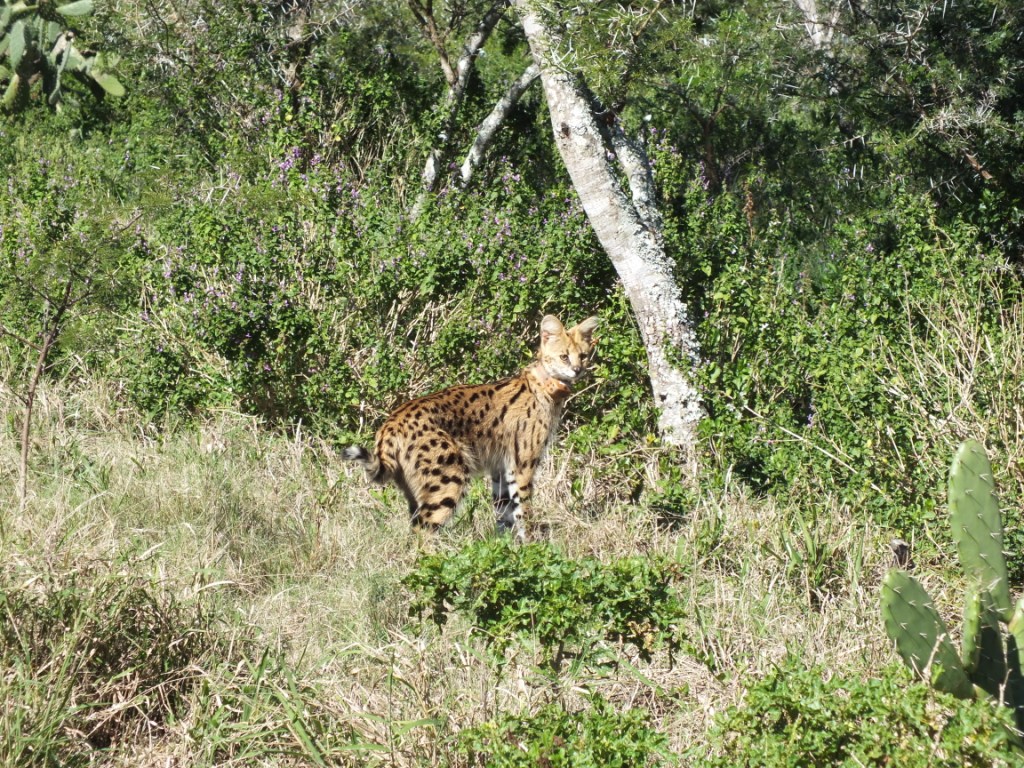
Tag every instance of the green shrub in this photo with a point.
(804, 343)
(795, 717)
(570, 608)
(56, 238)
(305, 296)
(597, 737)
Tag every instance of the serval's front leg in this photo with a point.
(508, 504)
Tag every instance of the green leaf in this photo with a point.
(17, 49)
(402, 728)
(12, 91)
(77, 8)
(108, 83)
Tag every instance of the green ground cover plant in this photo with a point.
(572, 609)
(592, 738)
(804, 716)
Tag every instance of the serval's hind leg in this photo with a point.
(441, 482)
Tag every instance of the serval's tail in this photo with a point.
(375, 469)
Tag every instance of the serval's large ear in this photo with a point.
(584, 332)
(550, 328)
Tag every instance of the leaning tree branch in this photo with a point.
(626, 232)
(493, 122)
(637, 166)
(456, 95)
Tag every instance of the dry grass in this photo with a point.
(962, 376)
(288, 546)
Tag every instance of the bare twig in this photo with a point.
(4, 330)
(50, 331)
(458, 81)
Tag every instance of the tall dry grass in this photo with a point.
(290, 553)
(962, 376)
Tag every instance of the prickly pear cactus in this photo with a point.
(973, 608)
(983, 648)
(1014, 655)
(977, 527)
(35, 44)
(921, 636)
(991, 660)
(1016, 625)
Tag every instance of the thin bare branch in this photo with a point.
(4, 330)
(424, 15)
(50, 332)
(458, 82)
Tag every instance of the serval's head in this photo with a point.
(563, 353)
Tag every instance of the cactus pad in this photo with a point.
(983, 650)
(921, 636)
(971, 650)
(1014, 649)
(977, 528)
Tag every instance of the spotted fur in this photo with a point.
(431, 446)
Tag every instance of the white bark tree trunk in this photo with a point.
(820, 27)
(629, 228)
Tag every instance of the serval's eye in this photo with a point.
(565, 358)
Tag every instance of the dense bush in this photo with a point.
(827, 233)
(303, 297)
(816, 353)
(570, 608)
(267, 258)
(60, 244)
(796, 716)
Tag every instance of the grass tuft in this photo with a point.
(98, 655)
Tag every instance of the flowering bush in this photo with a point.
(306, 296)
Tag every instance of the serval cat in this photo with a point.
(430, 447)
